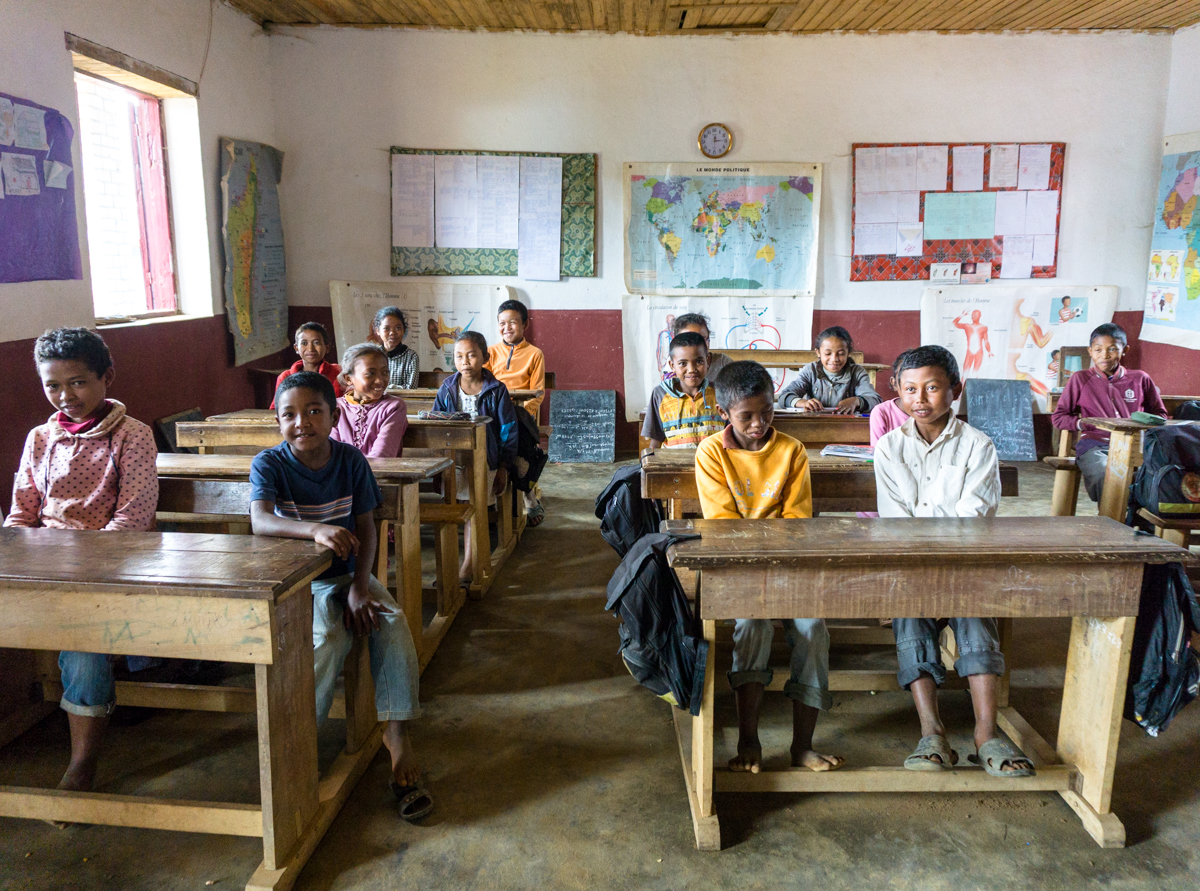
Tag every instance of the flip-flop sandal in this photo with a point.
(412, 802)
(535, 516)
(928, 747)
(995, 753)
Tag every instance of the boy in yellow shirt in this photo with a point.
(752, 471)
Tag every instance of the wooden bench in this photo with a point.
(1087, 568)
(1177, 532)
(1066, 476)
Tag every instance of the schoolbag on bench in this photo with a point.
(624, 515)
(658, 643)
(1168, 482)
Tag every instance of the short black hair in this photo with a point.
(476, 338)
(742, 380)
(687, 339)
(1053, 353)
(687, 320)
(73, 345)
(929, 356)
(516, 306)
(310, 380)
(1110, 329)
(835, 331)
(311, 326)
(394, 311)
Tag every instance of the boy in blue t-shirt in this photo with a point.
(312, 487)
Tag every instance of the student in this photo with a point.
(389, 327)
(683, 409)
(90, 466)
(937, 466)
(312, 343)
(752, 471)
(312, 487)
(519, 365)
(1106, 390)
(885, 417)
(368, 418)
(698, 323)
(834, 380)
(475, 390)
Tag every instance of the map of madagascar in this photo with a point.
(242, 224)
(1179, 212)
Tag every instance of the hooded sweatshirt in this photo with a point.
(375, 429)
(102, 478)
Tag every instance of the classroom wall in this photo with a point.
(1183, 92)
(162, 367)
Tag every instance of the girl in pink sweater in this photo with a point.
(368, 418)
(90, 466)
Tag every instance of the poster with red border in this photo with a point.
(891, 267)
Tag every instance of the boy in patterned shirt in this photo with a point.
(683, 409)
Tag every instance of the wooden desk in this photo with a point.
(201, 488)
(1086, 568)
(224, 597)
(421, 398)
(814, 430)
(794, 359)
(1124, 458)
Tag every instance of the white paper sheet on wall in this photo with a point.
(540, 229)
(876, 207)
(874, 238)
(870, 170)
(412, 201)
(457, 201)
(1034, 172)
(499, 200)
(968, 168)
(1010, 213)
(1017, 260)
(1002, 173)
(931, 167)
(1041, 214)
(901, 168)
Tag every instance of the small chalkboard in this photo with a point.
(1004, 411)
(584, 426)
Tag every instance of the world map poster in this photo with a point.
(721, 229)
(1172, 308)
(252, 235)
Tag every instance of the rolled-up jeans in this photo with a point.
(809, 640)
(394, 665)
(88, 686)
(918, 652)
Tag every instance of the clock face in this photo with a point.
(715, 140)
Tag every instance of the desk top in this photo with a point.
(264, 417)
(1125, 425)
(428, 394)
(173, 563)
(677, 460)
(846, 541)
(237, 467)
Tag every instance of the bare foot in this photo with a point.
(78, 778)
(405, 770)
(749, 756)
(816, 761)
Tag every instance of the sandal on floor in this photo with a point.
(926, 749)
(995, 753)
(535, 516)
(412, 802)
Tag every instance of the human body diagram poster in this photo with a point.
(436, 315)
(1013, 333)
(721, 229)
(1172, 312)
(738, 323)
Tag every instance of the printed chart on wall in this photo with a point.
(1013, 333)
(954, 212)
(39, 236)
(736, 323)
(436, 315)
(706, 229)
(255, 272)
(1172, 313)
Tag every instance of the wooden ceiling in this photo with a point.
(675, 16)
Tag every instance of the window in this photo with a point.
(126, 201)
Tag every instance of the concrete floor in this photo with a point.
(552, 769)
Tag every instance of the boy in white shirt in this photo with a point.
(937, 466)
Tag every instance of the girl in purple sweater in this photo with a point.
(368, 418)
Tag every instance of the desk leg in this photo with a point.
(408, 559)
(1124, 456)
(1090, 725)
(1066, 493)
(479, 523)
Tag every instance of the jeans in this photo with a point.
(809, 640)
(394, 666)
(88, 686)
(918, 652)
(1092, 464)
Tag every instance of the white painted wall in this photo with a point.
(1183, 96)
(171, 34)
(342, 97)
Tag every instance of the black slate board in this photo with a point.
(584, 426)
(1004, 411)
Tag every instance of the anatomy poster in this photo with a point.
(735, 323)
(436, 314)
(1013, 333)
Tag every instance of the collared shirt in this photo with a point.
(680, 421)
(957, 475)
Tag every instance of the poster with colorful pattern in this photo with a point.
(1172, 308)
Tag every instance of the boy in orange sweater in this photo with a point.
(752, 471)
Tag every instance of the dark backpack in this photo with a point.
(529, 447)
(1168, 482)
(658, 642)
(624, 515)
(1188, 411)
(1164, 670)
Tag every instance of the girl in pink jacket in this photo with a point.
(369, 419)
(90, 466)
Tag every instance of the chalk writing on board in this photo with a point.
(1003, 410)
(583, 426)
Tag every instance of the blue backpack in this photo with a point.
(1168, 482)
